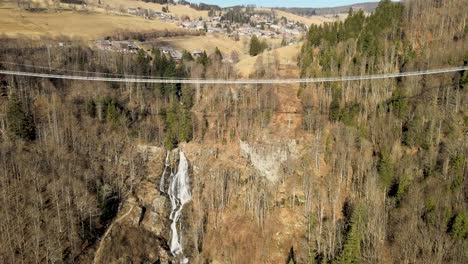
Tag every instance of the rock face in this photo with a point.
(268, 159)
(145, 229)
(140, 233)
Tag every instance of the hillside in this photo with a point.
(285, 56)
(177, 10)
(365, 7)
(207, 43)
(306, 20)
(81, 24)
(123, 5)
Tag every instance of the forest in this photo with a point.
(414, 130)
(378, 174)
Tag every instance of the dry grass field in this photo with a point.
(86, 25)
(287, 57)
(317, 20)
(123, 5)
(208, 43)
(177, 10)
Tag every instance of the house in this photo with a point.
(197, 53)
(146, 13)
(158, 14)
(124, 46)
(104, 44)
(275, 27)
(176, 55)
(132, 46)
(166, 49)
(132, 11)
(186, 24)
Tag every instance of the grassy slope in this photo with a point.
(208, 43)
(15, 22)
(178, 10)
(318, 20)
(287, 56)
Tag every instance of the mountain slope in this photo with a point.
(353, 172)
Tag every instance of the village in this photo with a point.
(264, 25)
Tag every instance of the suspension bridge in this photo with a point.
(137, 79)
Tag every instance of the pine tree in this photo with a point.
(351, 253)
(257, 46)
(254, 46)
(112, 115)
(218, 55)
(20, 121)
(335, 111)
(142, 62)
(184, 125)
(203, 59)
(385, 168)
(459, 228)
(186, 56)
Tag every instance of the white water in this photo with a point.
(179, 194)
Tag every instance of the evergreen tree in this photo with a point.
(203, 59)
(218, 55)
(254, 46)
(159, 63)
(186, 56)
(335, 110)
(112, 115)
(351, 253)
(170, 72)
(385, 168)
(20, 121)
(399, 103)
(91, 108)
(178, 125)
(459, 227)
(142, 62)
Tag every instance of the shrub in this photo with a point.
(458, 227)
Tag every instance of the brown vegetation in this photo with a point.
(367, 172)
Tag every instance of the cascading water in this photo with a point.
(179, 195)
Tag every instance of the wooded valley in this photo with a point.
(361, 171)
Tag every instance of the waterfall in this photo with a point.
(179, 195)
(166, 166)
